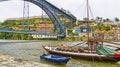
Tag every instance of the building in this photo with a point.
(82, 30)
(43, 36)
(45, 27)
(21, 18)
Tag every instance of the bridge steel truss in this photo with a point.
(52, 11)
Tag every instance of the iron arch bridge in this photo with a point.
(52, 11)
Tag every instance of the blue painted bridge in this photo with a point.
(53, 12)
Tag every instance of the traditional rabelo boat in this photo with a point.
(102, 53)
(92, 49)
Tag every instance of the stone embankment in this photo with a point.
(8, 61)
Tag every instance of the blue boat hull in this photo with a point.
(55, 58)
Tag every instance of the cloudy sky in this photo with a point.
(102, 8)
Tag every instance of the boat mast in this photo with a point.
(87, 4)
(88, 38)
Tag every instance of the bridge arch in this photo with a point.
(52, 12)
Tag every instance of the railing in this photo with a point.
(7, 30)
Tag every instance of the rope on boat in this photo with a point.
(93, 60)
(101, 61)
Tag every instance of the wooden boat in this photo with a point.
(55, 58)
(85, 55)
(94, 50)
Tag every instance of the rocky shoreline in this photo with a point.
(8, 61)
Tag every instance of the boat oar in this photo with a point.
(112, 42)
(78, 44)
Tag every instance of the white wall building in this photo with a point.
(43, 36)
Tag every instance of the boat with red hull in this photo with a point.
(90, 56)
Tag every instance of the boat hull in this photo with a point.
(55, 59)
(81, 55)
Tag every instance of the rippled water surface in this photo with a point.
(31, 50)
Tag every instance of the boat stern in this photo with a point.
(117, 55)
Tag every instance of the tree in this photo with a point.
(99, 19)
(116, 19)
(107, 19)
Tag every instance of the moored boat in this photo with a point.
(55, 58)
(112, 56)
(94, 48)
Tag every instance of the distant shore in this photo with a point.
(8, 61)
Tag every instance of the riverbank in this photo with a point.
(8, 61)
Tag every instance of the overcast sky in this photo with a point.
(101, 8)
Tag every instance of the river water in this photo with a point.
(31, 50)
